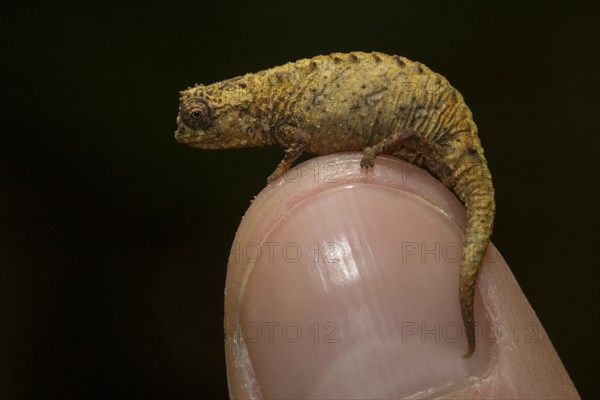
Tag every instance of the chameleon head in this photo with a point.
(216, 117)
(196, 120)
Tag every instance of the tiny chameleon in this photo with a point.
(373, 102)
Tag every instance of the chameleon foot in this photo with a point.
(368, 159)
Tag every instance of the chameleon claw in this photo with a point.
(367, 163)
(368, 159)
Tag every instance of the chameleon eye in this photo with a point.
(197, 114)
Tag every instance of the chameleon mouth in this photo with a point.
(181, 136)
(195, 140)
(184, 135)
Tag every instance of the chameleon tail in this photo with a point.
(474, 187)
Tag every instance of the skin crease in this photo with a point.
(373, 102)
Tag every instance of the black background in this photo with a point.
(114, 238)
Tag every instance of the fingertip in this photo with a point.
(392, 320)
(330, 207)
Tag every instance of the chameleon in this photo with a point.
(369, 102)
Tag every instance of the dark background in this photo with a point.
(114, 238)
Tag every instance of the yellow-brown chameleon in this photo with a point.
(373, 102)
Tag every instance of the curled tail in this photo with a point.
(473, 185)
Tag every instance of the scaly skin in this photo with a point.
(373, 102)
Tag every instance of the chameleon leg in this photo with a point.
(297, 140)
(410, 139)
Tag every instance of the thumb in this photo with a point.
(343, 283)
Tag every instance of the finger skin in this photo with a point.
(516, 358)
